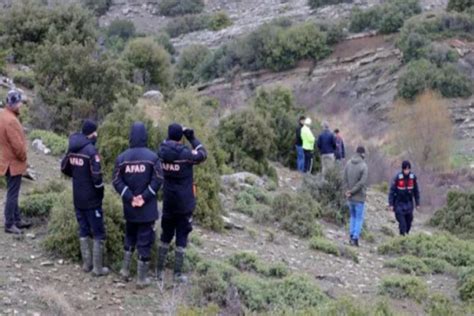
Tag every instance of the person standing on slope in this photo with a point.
(82, 163)
(308, 145)
(179, 194)
(340, 152)
(404, 197)
(327, 148)
(13, 148)
(137, 178)
(299, 145)
(355, 180)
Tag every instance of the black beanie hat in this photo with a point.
(360, 150)
(406, 165)
(88, 127)
(175, 132)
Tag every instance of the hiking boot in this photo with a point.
(178, 266)
(125, 271)
(160, 264)
(13, 230)
(97, 259)
(142, 274)
(23, 224)
(86, 254)
(356, 242)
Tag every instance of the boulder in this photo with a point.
(153, 95)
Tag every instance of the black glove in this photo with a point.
(101, 192)
(189, 134)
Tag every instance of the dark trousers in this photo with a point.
(140, 236)
(91, 223)
(12, 211)
(404, 222)
(308, 161)
(176, 225)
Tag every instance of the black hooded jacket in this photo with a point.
(138, 172)
(82, 163)
(177, 161)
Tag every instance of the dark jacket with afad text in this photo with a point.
(138, 172)
(82, 163)
(177, 161)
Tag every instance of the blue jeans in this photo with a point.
(357, 218)
(300, 158)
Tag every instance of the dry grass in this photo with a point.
(56, 301)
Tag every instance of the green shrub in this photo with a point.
(63, 239)
(295, 292)
(466, 285)
(75, 82)
(124, 29)
(451, 83)
(58, 144)
(38, 205)
(440, 305)
(24, 79)
(253, 202)
(211, 309)
(314, 4)
(145, 57)
(414, 47)
(61, 24)
(418, 77)
(298, 214)
(350, 307)
(328, 191)
(187, 69)
(402, 287)
(249, 262)
(457, 216)
(441, 54)
(247, 139)
(218, 21)
(164, 40)
(334, 31)
(99, 7)
(329, 247)
(186, 24)
(180, 7)
(386, 18)
(408, 264)
(460, 5)
(458, 253)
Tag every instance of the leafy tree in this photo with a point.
(187, 68)
(28, 24)
(180, 7)
(75, 82)
(148, 63)
(121, 28)
(460, 5)
(451, 83)
(418, 77)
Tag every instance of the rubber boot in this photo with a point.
(178, 266)
(127, 258)
(160, 265)
(86, 254)
(142, 272)
(98, 259)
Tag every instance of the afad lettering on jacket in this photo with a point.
(75, 161)
(170, 166)
(135, 168)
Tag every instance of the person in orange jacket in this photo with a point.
(13, 148)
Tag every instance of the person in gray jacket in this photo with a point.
(355, 180)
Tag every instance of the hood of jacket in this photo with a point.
(77, 141)
(138, 135)
(357, 159)
(170, 150)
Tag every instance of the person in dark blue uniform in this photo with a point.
(82, 163)
(179, 200)
(137, 178)
(404, 197)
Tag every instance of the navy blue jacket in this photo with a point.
(82, 163)
(177, 161)
(138, 172)
(340, 149)
(327, 142)
(403, 190)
